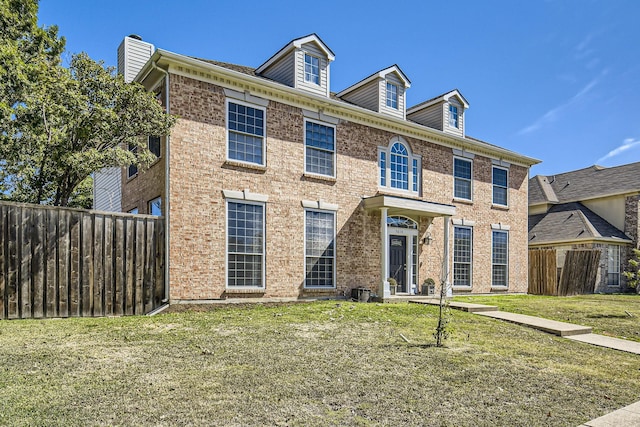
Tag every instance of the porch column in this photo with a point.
(384, 254)
(445, 258)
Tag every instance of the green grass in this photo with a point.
(311, 364)
(613, 315)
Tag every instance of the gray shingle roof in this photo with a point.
(568, 222)
(583, 184)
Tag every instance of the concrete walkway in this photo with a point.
(629, 416)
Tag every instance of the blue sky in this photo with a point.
(557, 80)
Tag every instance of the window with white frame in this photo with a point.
(462, 255)
(245, 244)
(319, 242)
(246, 132)
(155, 206)
(613, 266)
(311, 69)
(399, 168)
(499, 258)
(392, 95)
(500, 186)
(453, 116)
(462, 178)
(319, 146)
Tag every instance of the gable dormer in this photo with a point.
(302, 64)
(444, 112)
(383, 92)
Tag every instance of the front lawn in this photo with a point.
(308, 364)
(613, 315)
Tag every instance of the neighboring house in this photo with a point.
(275, 187)
(591, 208)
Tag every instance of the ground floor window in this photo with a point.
(245, 244)
(613, 267)
(499, 258)
(320, 232)
(462, 255)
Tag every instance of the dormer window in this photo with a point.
(392, 96)
(311, 69)
(453, 116)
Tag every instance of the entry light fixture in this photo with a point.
(427, 239)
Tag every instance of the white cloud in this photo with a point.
(627, 144)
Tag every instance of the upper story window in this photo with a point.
(155, 206)
(392, 96)
(246, 133)
(133, 168)
(500, 185)
(319, 146)
(154, 145)
(311, 69)
(453, 116)
(462, 178)
(399, 168)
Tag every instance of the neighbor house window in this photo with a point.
(500, 186)
(319, 143)
(245, 244)
(392, 96)
(245, 124)
(155, 206)
(453, 116)
(319, 242)
(399, 169)
(462, 255)
(613, 266)
(311, 69)
(462, 178)
(154, 145)
(499, 258)
(133, 211)
(133, 168)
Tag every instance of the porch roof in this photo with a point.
(409, 207)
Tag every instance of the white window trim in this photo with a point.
(455, 177)
(468, 227)
(507, 264)
(335, 146)
(304, 69)
(618, 272)
(387, 150)
(335, 233)
(264, 137)
(454, 123)
(493, 202)
(226, 245)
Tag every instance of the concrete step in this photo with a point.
(464, 306)
(609, 342)
(552, 326)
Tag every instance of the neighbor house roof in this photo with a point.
(569, 222)
(584, 184)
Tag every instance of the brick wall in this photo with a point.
(199, 173)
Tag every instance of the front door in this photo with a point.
(398, 261)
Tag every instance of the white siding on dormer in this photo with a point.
(107, 189)
(300, 83)
(382, 90)
(283, 71)
(431, 116)
(366, 96)
(459, 131)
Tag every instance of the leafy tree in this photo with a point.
(633, 274)
(63, 124)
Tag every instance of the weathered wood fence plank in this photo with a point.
(58, 262)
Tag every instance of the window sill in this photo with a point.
(317, 177)
(318, 290)
(499, 288)
(245, 291)
(462, 288)
(252, 166)
(464, 201)
(499, 207)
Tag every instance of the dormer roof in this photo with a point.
(440, 98)
(382, 74)
(297, 44)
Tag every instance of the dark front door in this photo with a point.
(398, 261)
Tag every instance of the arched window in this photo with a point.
(401, 222)
(399, 168)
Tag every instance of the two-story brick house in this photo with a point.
(275, 187)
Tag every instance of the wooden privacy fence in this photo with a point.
(60, 262)
(543, 276)
(579, 272)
